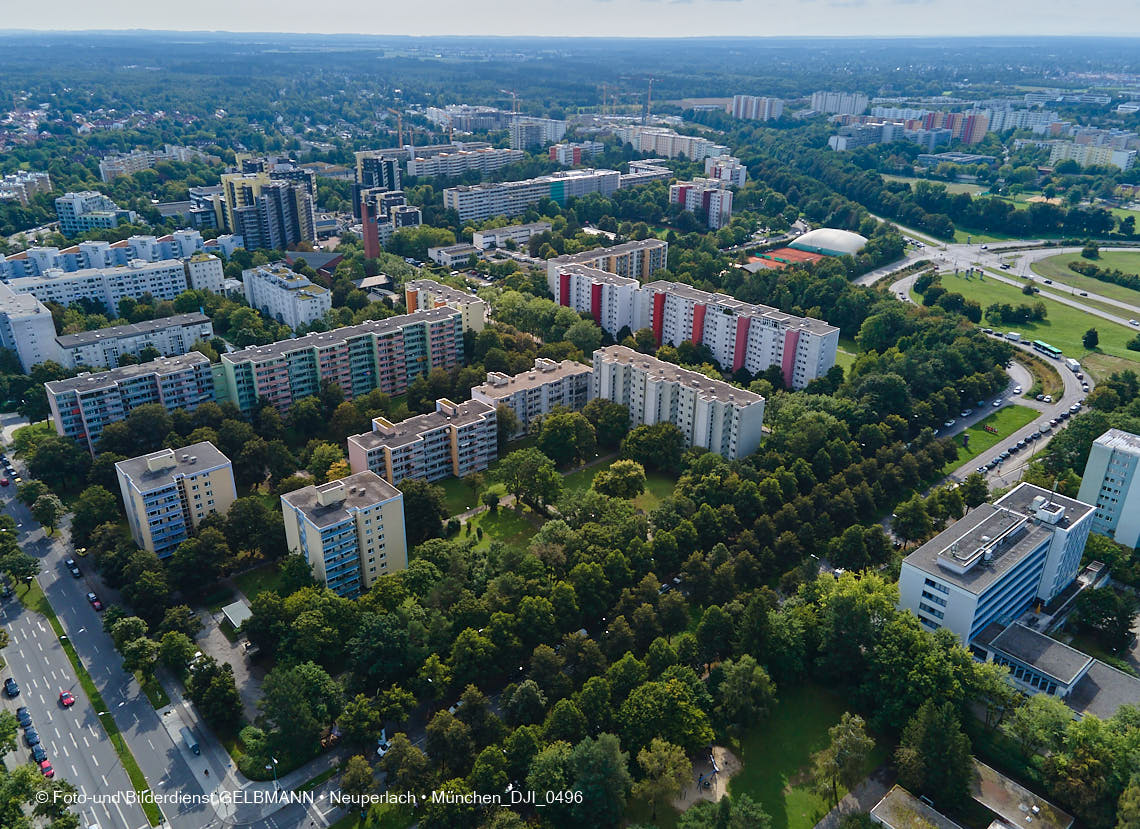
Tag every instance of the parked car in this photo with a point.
(1048, 281)
(1084, 387)
(382, 744)
(72, 568)
(949, 423)
(1048, 398)
(31, 736)
(94, 600)
(11, 688)
(38, 753)
(1133, 322)
(997, 402)
(1084, 293)
(1040, 398)
(1017, 389)
(23, 717)
(46, 770)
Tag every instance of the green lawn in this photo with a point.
(777, 753)
(259, 580)
(1057, 267)
(459, 496)
(974, 237)
(381, 816)
(506, 525)
(952, 187)
(658, 487)
(1006, 420)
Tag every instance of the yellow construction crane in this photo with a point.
(648, 102)
(514, 100)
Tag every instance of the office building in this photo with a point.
(1107, 485)
(608, 298)
(82, 406)
(753, 108)
(103, 347)
(726, 168)
(268, 212)
(125, 164)
(533, 394)
(708, 197)
(166, 494)
(285, 296)
(383, 354)
(527, 132)
(21, 186)
(456, 164)
(839, 103)
(996, 562)
(453, 256)
(510, 198)
(498, 237)
(740, 335)
(645, 171)
(427, 293)
(571, 155)
(162, 280)
(382, 213)
(639, 259)
(89, 210)
(668, 143)
(1088, 155)
(455, 440)
(350, 531)
(712, 414)
(26, 327)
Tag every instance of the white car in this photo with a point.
(1133, 322)
(1048, 398)
(997, 403)
(1017, 389)
(382, 744)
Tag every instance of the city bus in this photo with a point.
(1047, 350)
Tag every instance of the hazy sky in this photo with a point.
(649, 18)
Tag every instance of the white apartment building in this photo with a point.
(533, 394)
(420, 294)
(162, 280)
(510, 198)
(204, 272)
(285, 296)
(726, 168)
(607, 297)
(89, 210)
(839, 103)
(102, 348)
(640, 258)
(996, 562)
(704, 194)
(710, 413)
(350, 531)
(181, 244)
(453, 256)
(668, 143)
(754, 108)
(125, 164)
(1088, 155)
(740, 335)
(499, 236)
(21, 186)
(455, 164)
(455, 440)
(645, 171)
(529, 132)
(1107, 484)
(26, 327)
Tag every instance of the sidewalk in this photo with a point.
(861, 799)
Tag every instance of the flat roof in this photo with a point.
(1120, 440)
(561, 175)
(1103, 691)
(1056, 659)
(163, 365)
(614, 250)
(539, 226)
(136, 329)
(530, 379)
(899, 809)
(441, 290)
(293, 281)
(187, 461)
(410, 430)
(659, 369)
(364, 489)
(338, 335)
(742, 308)
(1014, 803)
(596, 274)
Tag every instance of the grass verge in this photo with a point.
(153, 690)
(34, 599)
(309, 785)
(1006, 420)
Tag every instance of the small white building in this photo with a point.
(453, 256)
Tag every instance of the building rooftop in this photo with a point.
(338, 336)
(111, 273)
(705, 386)
(445, 292)
(133, 330)
(1120, 440)
(532, 226)
(561, 175)
(899, 809)
(1103, 691)
(831, 240)
(1056, 659)
(386, 433)
(1013, 803)
(605, 277)
(336, 501)
(286, 279)
(88, 381)
(615, 250)
(741, 308)
(462, 247)
(500, 385)
(158, 469)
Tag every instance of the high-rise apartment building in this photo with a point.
(1107, 484)
(527, 132)
(382, 213)
(427, 293)
(103, 347)
(162, 280)
(754, 108)
(718, 416)
(456, 164)
(82, 406)
(383, 354)
(26, 327)
(21, 186)
(268, 212)
(608, 298)
(839, 103)
(285, 296)
(89, 210)
(533, 394)
(455, 440)
(726, 168)
(125, 164)
(639, 259)
(668, 143)
(707, 196)
(1088, 155)
(510, 198)
(996, 562)
(168, 493)
(571, 155)
(350, 531)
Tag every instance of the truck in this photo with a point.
(190, 740)
(1073, 365)
(1013, 335)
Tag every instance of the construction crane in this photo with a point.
(399, 123)
(514, 100)
(648, 103)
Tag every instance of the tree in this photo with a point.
(406, 765)
(359, 722)
(1091, 339)
(489, 773)
(425, 507)
(212, 688)
(843, 762)
(744, 692)
(19, 565)
(623, 479)
(59, 462)
(175, 650)
(601, 774)
(730, 812)
(911, 521)
(1038, 724)
(567, 438)
(974, 490)
(610, 420)
(526, 705)
(933, 756)
(140, 655)
(1128, 808)
(94, 506)
(47, 510)
(585, 335)
(659, 446)
(449, 742)
(665, 769)
(198, 562)
(530, 476)
(507, 425)
(1108, 613)
(322, 459)
(29, 491)
(357, 781)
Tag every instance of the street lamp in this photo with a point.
(273, 768)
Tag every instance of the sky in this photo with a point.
(628, 18)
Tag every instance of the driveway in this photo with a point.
(212, 642)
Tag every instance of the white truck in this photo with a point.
(1013, 335)
(1073, 365)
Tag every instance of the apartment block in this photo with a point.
(754, 108)
(607, 297)
(162, 280)
(350, 531)
(455, 440)
(383, 354)
(26, 327)
(125, 164)
(469, 118)
(268, 212)
(181, 244)
(529, 132)
(710, 413)
(382, 213)
(455, 164)
(645, 171)
(739, 334)
(839, 103)
(287, 297)
(996, 562)
(204, 272)
(533, 394)
(89, 210)
(166, 494)
(711, 197)
(571, 155)
(427, 293)
(499, 236)
(668, 143)
(726, 168)
(453, 256)
(21, 186)
(82, 406)
(639, 259)
(510, 198)
(1107, 484)
(102, 348)
(1088, 155)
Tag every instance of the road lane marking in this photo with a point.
(105, 783)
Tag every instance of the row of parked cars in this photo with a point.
(10, 476)
(31, 736)
(997, 460)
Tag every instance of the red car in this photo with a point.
(66, 699)
(46, 769)
(94, 600)
(3, 482)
